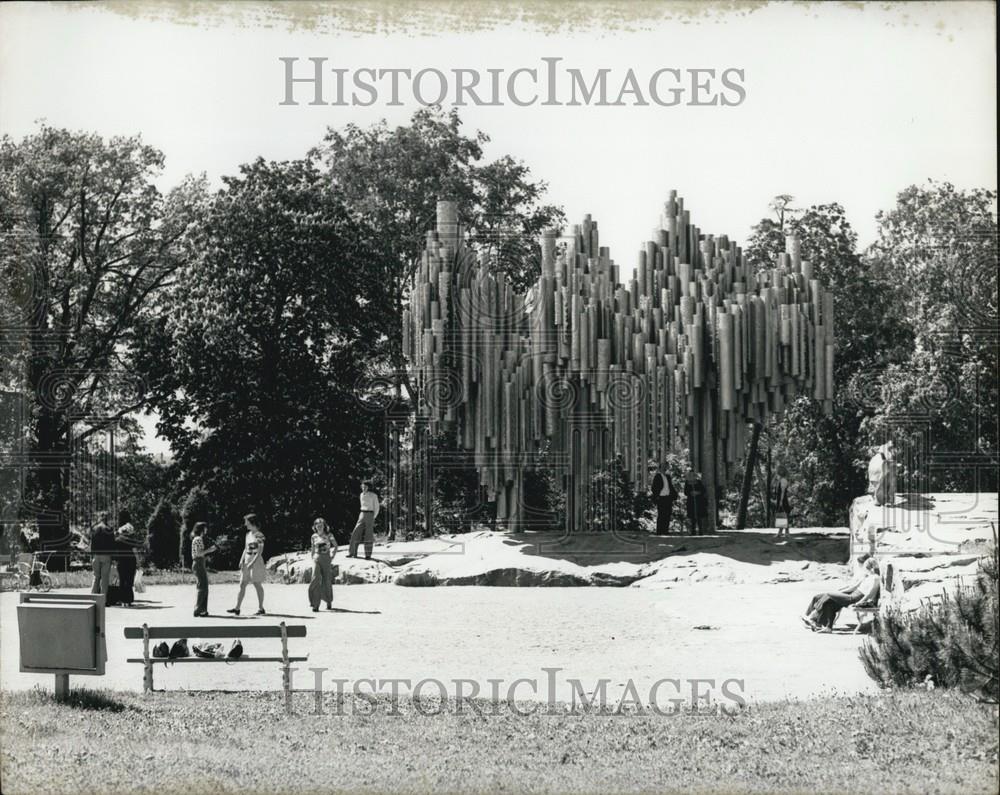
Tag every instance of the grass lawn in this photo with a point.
(104, 742)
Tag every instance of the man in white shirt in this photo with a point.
(365, 528)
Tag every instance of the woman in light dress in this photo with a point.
(252, 564)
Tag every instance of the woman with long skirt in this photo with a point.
(323, 550)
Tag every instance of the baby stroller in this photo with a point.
(32, 571)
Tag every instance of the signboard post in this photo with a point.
(62, 634)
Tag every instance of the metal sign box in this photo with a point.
(62, 634)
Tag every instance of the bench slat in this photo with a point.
(244, 658)
(243, 630)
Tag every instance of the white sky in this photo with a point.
(842, 105)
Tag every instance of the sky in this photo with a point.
(844, 102)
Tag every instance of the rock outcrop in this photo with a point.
(596, 559)
(927, 544)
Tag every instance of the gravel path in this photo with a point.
(746, 632)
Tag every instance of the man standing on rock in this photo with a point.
(665, 495)
(366, 523)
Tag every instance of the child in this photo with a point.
(251, 564)
(198, 553)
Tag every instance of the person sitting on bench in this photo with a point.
(825, 607)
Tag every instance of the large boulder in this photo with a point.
(927, 544)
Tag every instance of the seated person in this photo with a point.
(862, 591)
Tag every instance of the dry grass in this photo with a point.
(914, 742)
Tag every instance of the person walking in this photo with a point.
(782, 505)
(665, 495)
(321, 584)
(128, 542)
(694, 492)
(251, 564)
(199, 567)
(102, 547)
(365, 528)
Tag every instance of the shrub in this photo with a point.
(163, 531)
(954, 642)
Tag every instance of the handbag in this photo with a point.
(781, 521)
(210, 651)
(179, 649)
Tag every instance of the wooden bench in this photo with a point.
(147, 633)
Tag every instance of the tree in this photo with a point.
(392, 178)
(89, 240)
(143, 479)
(937, 252)
(164, 535)
(271, 332)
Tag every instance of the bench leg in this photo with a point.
(147, 674)
(286, 674)
(62, 687)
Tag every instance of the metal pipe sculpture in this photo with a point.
(690, 350)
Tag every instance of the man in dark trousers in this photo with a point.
(694, 490)
(665, 495)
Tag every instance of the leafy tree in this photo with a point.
(89, 240)
(392, 178)
(142, 478)
(937, 250)
(163, 531)
(270, 332)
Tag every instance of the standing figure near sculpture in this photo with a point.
(199, 567)
(665, 495)
(321, 584)
(102, 547)
(365, 528)
(882, 475)
(781, 504)
(697, 504)
(251, 564)
(128, 542)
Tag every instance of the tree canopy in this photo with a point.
(89, 243)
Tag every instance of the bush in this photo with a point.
(953, 643)
(163, 531)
